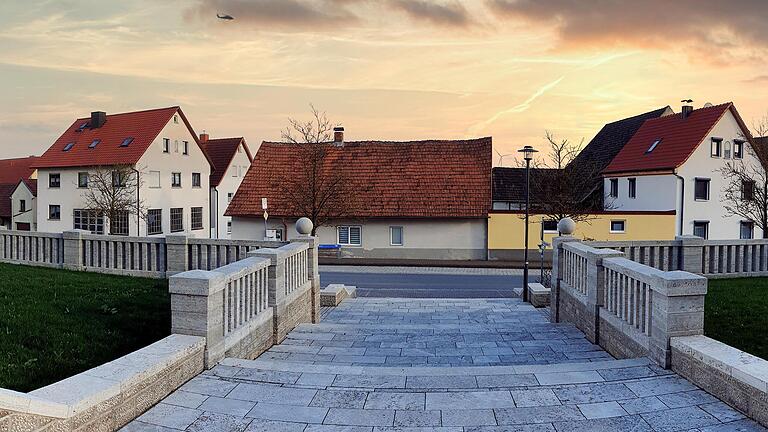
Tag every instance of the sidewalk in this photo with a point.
(354, 262)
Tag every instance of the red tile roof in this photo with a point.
(142, 126)
(5, 199)
(435, 179)
(679, 138)
(220, 152)
(13, 170)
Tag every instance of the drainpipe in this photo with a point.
(682, 201)
(216, 210)
(138, 202)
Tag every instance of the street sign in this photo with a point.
(263, 203)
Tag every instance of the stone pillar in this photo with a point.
(177, 253)
(557, 276)
(73, 249)
(596, 288)
(276, 281)
(677, 309)
(691, 253)
(314, 273)
(197, 309)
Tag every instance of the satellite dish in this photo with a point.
(707, 105)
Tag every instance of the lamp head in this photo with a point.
(528, 152)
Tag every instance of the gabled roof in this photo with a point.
(509, 183)
(220, 152)
(679, 138)
(612, 138)
(12, 170)
(31, 184)
(143, 126)
(431, 179)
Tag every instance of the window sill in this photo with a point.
(176, 231)
(350, 245)
(175, 187)
(617, 232)
(701, 199)
(197, 229)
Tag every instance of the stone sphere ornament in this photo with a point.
(566, 226)
(304, 226)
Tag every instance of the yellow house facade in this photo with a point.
(506, 230)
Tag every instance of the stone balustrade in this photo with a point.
(157, 257)
(245, 307)
(711, 258)
(629, 308)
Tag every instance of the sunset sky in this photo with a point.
(385, 69)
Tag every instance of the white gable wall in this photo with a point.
(701, 164)
(164, 197)
(220, 194)
(29, 216)
(662, 192)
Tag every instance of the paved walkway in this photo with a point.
(480, 365)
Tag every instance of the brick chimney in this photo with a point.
(204, 137)
(98, 118)
(687, 108)
(338, 135)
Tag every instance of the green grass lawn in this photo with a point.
(736, 313)
(57, 323)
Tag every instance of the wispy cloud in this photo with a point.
(523, 106)
(451, 13)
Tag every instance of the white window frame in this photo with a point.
(87, 179)
(611, 183)
(50, 212)
(716, 143)
(174, 176)
(199, 180)
(706, 227)
(708, 182)
(392, 237)
(751, 229)
(623, 225)
(57, 176)
(166, 145)
(156, 223)
(632, 188)
(154, 180)
(546, 231)
(193, 219)
(186, 148)
(740, 145)
(349, 228)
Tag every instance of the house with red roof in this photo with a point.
(672, 163)
(230, 159)
(417, 199)
(17, 207)
(164, 157)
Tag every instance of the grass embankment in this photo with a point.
(736, 313)
(57, 323)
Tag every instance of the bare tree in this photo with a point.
(320, 190)
(112, 191)
(745, 191)
(561, 188)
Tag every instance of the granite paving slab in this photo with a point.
(438, 365)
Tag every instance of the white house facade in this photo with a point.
(230, 159)
(402, 200)
(24, 206)
(158, 146)
(674, 162)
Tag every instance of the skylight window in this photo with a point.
(653, 146)
(82, 126)
(94, 143)
(126, 142)
(69, 146)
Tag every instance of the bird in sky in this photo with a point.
(224, 17)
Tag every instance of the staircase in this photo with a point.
(451, 365)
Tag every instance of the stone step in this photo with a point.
(283, 366)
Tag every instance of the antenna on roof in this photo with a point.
(687, 101)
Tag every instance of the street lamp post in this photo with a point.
(527, 152)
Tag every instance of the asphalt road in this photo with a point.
(425, 285)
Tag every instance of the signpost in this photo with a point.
(266, 216)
